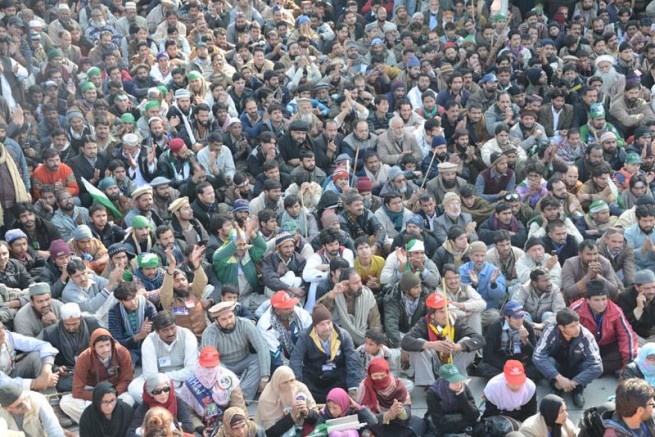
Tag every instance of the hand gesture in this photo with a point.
(552, 261)
(339, 288)
(49, 318)
(648, 246)
(494, 275)
(174, 121)
(146, 328)
(443, 347)
(251, 228)
(470, 227)
(70, 87)
(402, 258)
(170, 258)
(18, 117)
(474, 277)
(641, 301)
(116, 275)
(196, 255)
(523, 333)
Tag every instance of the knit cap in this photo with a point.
(409, 280)
(82, 232)
(320, 314)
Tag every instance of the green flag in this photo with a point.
(101, 198)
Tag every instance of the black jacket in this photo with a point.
(627, 300)
(493, 353)
(569, 250)
(396, 320)
(45, 234)
(429, 241)
(486, 232)
(466, 412)
(51, 274)
(83, 169)
(111, 234)
(414, 339)
(50, 335)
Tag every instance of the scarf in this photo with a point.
(277, 398)
(301, 221)
(226, 429)
(72, 344)
(16, 179)
(170, 404)
(449, 402)
(395, 217)
(646, 368)
(458, 256)
(356, 324)
(150, 284)
(505, 399)
(335, 343)
(440, 333)
(140, 316)
(410, 305)
(284, 333)
(510, 341)
(513, 225)
(185, 120)
(382, 393)
(508, 265)
(549, 410)
(339, 397)
(356, 228)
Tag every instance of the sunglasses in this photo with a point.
(512, 196)
(160, 391)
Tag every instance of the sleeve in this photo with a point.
(392, 321)
(298, 355)
(89, 305)
(311, 273)
(354, 370)
(627, 338)
(413, 341)
(260, 346)
(184, 416)
(593, 366)
(492, 351)
(542, 352)
(271, 277)
(115, 323)
(127, 371)
(49, 420)
(81, 371)
(166, 291)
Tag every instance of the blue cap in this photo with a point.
(413, 61)
(513, 309)
(416, 220)
(489, 77)
(377, 42)
(240, 205)
(303, 19)
(438, 141)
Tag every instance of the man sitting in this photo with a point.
(638, 305)
(497, 180)
(510, 337)
(596, 221)
(540, 298)
(567, 355)
(613, 246)
(633, 415)
(103, 360)
(41, 312)
(90, 249)
(535, 256)
(614, 335)
(353, 306)
(588, 265)
(484, 277)
(29, 412)
(404, 307)
(503, 219)
(439, 339)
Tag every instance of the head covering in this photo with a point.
(231, 417)
(632, 158)
(59, 248)
(450, 373)
(413, 61)
(416, 220)
(278, 397)
(182, 93)
(598, 206)
(595, 287)
(435, 301)
(192, 75)
(9, 393)
(415, 246)
(39, 288)
(364, 185)
(549, 410)
(513, 309)
(14, 234)
(514, 372)
(209, 357)
(178, 204)
(140, 222)
(118, 248)
(70, 310)
(151, 384)
(320, 314)
(446, 166)
(176, 144)
(489, 77)
(607, 136)
(222, 306)
(533, 241)
(159, 181)
(282, 300)
(644, 277)
(477, 246)
(339, 397)
(106, 183)
(340, 174)
(450, 197)
(408, 280)
(95, 420)
(147, 261)
(603, 58)
(596, 110)
(82, 232)
(647, 367)
(144, 189)
(382, 392)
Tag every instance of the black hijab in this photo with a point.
(94, 423)
(549, 409)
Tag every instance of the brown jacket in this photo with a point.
(188, 314)
(89, 371)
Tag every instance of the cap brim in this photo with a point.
(518, 380)
(209, 363)
(456, 378)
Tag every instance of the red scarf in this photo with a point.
(382, 392)
(170, 405)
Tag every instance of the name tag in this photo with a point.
(189, 304)
(328, 367)
(164, 361)
(180, 311)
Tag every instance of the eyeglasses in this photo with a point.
(160, 391)
(512, 196)
(113, 401)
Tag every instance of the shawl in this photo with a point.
(549, 410)
(16, 179)
(480, 210)
(339, 397)
(497, 393)
(395, 217)
(458, 257)
(284, 334)
(96, 422)
(356, 324)
(140, 316)
(171, 402)
(642, 363)
(226, 430)
(72, 344)
(441, 333)
(629, 199)
(277, 399)
(376, 398)
(185, 120)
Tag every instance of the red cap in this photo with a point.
(339, 174)
(514, 372)
(176, 144)
(283, 301)
(435, 301)
(208, 357)
(364, 185)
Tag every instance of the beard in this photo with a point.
(608, 79)
(182, 293)
(449, 183)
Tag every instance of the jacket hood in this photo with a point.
(98, 333)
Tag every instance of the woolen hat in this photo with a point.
(106, 183)
(408, 280)
(320, 314)
(364, 184)
(140, 222)
(39, 288)
(477, 246)
(9, 393)
(70, 310)
(13, 235)
(240, 205)
(82, 232)
(147, 261)
(175, 145)
(644, 277)
(59, 248)
(450, 197)
(595, 287)
(416, 220)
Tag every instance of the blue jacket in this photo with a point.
(493, 296)
(117, 326)
(636, 238)
(584, 354)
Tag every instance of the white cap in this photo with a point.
(35, 23)
(63, 6)
(130, 5)
(70, 310)
(130, 139)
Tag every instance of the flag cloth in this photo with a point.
(101, 198)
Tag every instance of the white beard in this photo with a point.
(608, 80)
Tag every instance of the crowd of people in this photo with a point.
(325, 207)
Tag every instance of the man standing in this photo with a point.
(235, 338)
(439, 339)
(353, 306)
(568, 356)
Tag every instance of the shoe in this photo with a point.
(557, 391)
(64, 420)
(578, 399)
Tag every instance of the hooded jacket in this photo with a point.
(89, 371)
